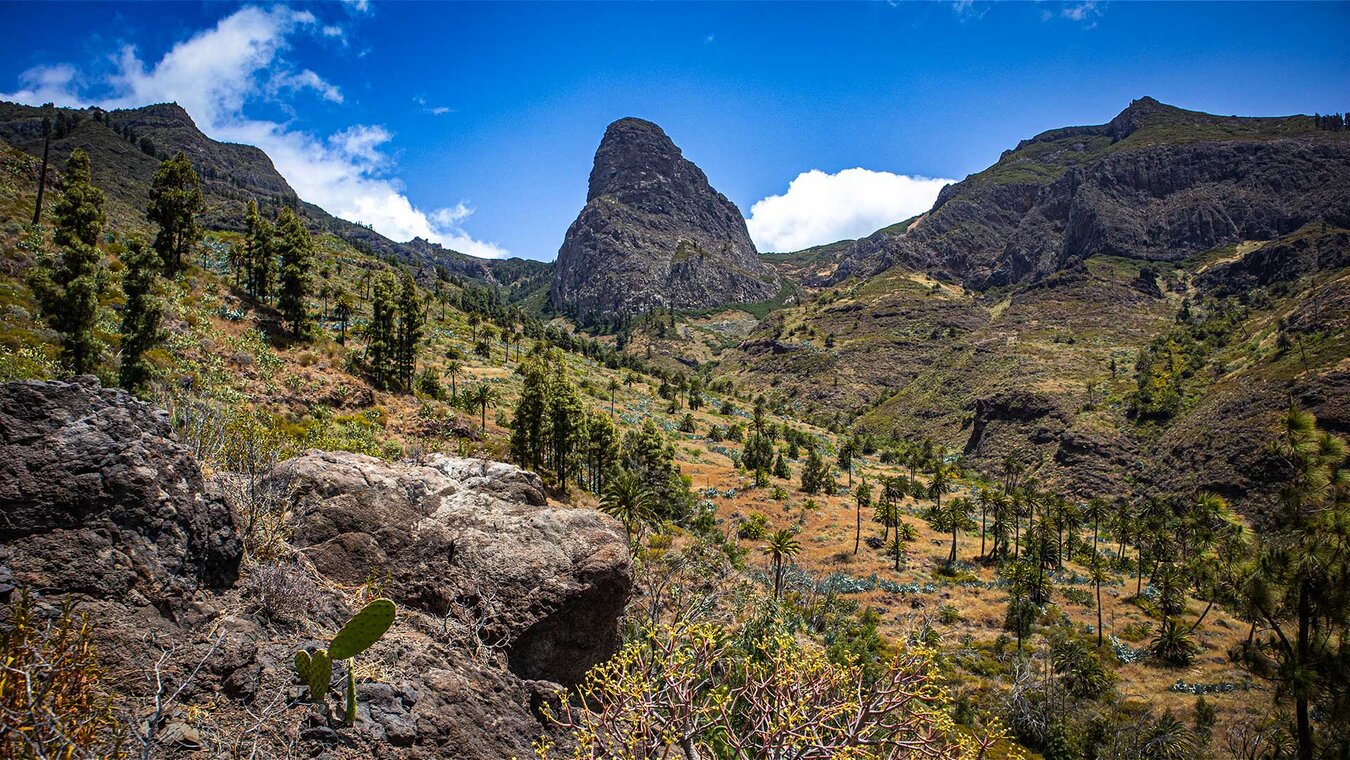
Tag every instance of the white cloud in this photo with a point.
(305, 80)
(433, 110)
(1085, 13)
(821, 208)
(217, 71)
(966, 10)
(46, 84)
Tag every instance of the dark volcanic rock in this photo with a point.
(1279, 261)
(1039, 415)
(654, 233)
(502, 595)
(96, 497)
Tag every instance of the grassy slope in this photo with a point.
(1046, 157)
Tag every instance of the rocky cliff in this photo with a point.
(654, 233)
(1156, 183)
(503, 597)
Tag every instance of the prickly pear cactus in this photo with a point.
(365, 628)
(316, 671)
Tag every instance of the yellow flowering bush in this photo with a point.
(687, 691)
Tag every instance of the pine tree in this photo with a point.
(1297, 584)
(175, 202)
(380, 339)
(410, 322)
(647, 452)
(296, 251)
(528, 435)
(602, 451)
(259, 263)
(566, 422)
(846, 453)
(69, 294)
(816, 475)
(141, 315)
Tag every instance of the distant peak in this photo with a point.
(164, 112)
(633, 153)
(633, 129)
(1135, 116)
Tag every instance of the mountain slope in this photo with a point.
(653, 234)
(1023, 314)
(130, 143)
(1157, 183)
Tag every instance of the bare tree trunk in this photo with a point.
(42, 178)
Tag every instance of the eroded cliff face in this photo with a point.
(1156, 183)
(654, 233)
(503, 597)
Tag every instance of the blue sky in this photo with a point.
(475, 124)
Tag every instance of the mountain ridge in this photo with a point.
(133, 141)
(1156, 182)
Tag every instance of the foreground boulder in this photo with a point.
(547, 583)
(96, 497)
(503, 597)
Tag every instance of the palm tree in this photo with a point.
(1093, 512)
(1297, 580)
(904, 533)
(628, 500)
(953, 517)
(613, 388)
(453, 368)
(986, 498)
(1097, 571)
(482, 395)
(781, 544)
(862, 499)
(846, 453)
(940, 482)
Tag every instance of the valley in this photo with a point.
(1022, 453)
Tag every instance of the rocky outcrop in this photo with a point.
(549, 583)
(1282, 260)
(653, 234)
(1088, 460)
(504, 598)
(1157, 183)
(96, 498)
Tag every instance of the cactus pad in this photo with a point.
(365, 628)
(316, 671)
(302, 665)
